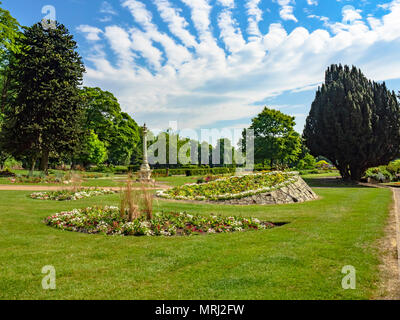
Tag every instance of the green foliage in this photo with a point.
(274, 137)
(117, 130)
(394, 167)
(391, 172)
(194, 172)
(9, 33)
(94, 151)
(308, 162)
(380, 174)
(46, 116)
(322, 165)
(9, 36)
(353, 122)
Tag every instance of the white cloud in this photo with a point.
(286, 10)
(176, 23)
(287, 13)
(107, 8)
(255, 16)
(312, 2)
(227, 3)
(91, 33)
(199, 83)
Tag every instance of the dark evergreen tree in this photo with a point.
(46, 115)
(353, 122)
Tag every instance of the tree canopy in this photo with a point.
(275, 139)
(116, 129)
(45, 117)
(354, 122)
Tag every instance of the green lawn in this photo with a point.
(300, 260)
(177, 180)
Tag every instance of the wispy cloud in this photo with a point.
(200, 71)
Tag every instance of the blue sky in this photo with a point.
(216, 63)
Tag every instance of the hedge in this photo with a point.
(194, 172)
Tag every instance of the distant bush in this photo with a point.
(322, 165)
(391, 172)
(11, 163)
(194, 172)
(7, 173)
(380, 174)
(394, 167)
(308, 162)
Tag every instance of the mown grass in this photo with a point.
(300, 260)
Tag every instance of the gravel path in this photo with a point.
(396, 193)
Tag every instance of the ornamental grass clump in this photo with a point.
(129, 201)
(135, 203)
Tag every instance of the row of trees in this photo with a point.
(45, 114)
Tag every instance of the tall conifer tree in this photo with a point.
(353, 122)
(46, 116)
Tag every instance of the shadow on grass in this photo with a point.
(333, 182)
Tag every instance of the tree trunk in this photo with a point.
(44, 163)
(357, 173)
(344, 172)
(33, 163)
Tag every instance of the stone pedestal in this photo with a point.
(145, 171)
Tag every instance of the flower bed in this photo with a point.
(36, 179)
(108, 220)
(68, 195)
(231, 188)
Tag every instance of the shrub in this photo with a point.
(380, 174)
(7, 173)
(199, 171)
(322, 165)
(394, 167)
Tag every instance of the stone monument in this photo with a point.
(145, 172)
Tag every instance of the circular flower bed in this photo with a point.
(108, 220)
(68, 195)
(231, 188)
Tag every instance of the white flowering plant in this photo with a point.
(71, 195)
(109, 220)
(231, 187)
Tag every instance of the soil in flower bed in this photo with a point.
(68, 195)
(110, 221)
(230, 188)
